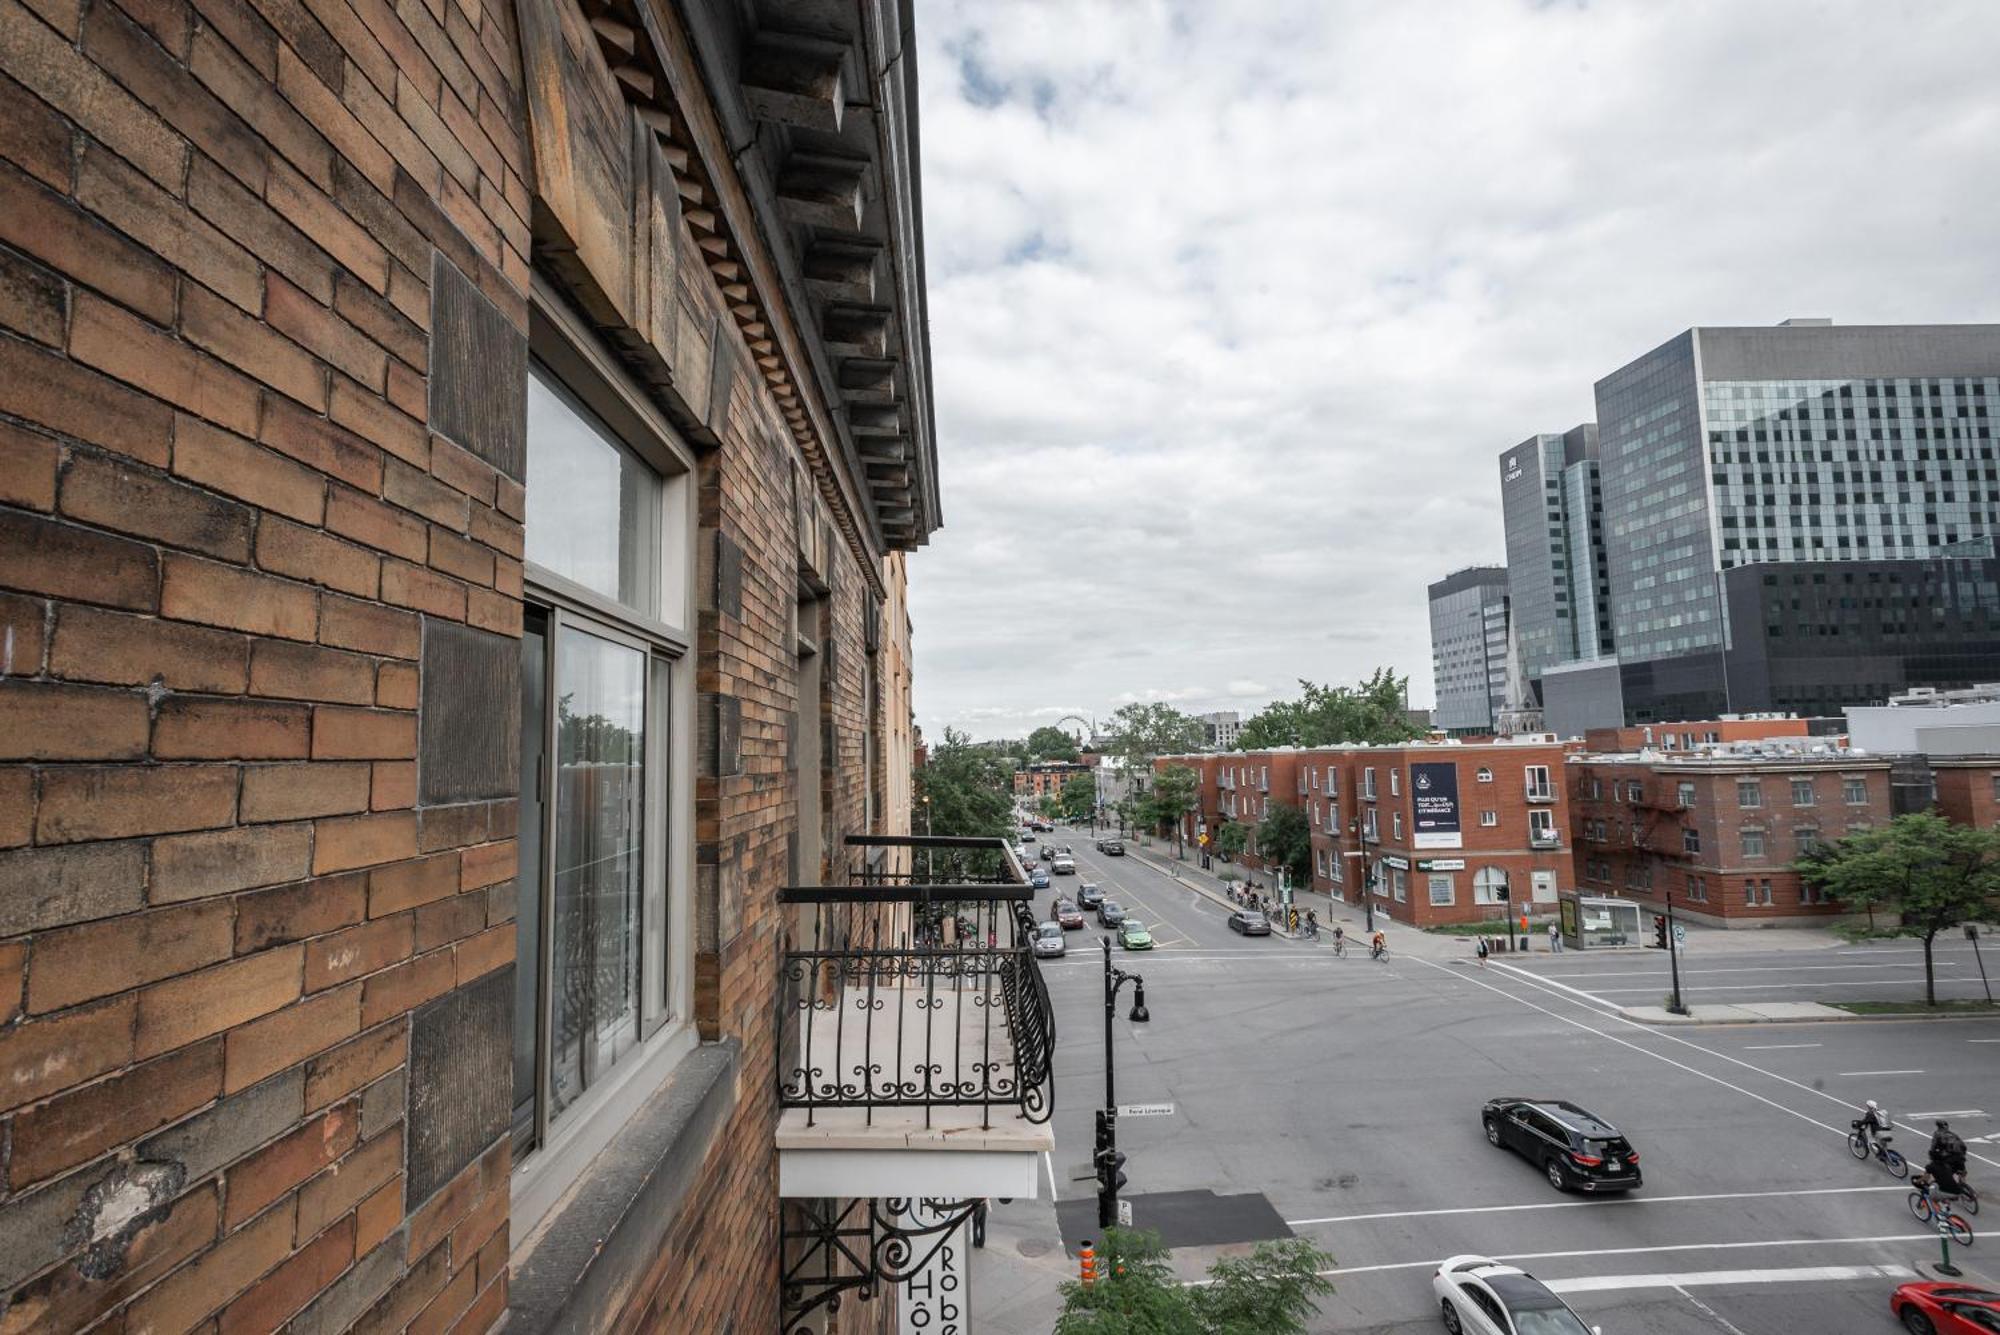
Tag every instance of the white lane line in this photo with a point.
(1662, 970)
(1773, 1047)
(1654, 1031)
(1584, 1205)
(1949, 1112)
(1845, 1074)
(1537, 978)
(1645, 1251)
(1049, 1164)
(1722, 1323)
(1823, 985)
(1983, 1040)
(1808, 1274)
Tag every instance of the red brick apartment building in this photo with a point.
(1968, 789)
(457, 462)
(1046, 779)
(1695, 736)
(1442, 827)
(1719, 828)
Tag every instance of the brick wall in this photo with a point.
(229, 536)
(1968, 791)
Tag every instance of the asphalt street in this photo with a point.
(1347, 1091)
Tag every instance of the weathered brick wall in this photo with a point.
(228, 538)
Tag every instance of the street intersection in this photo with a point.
(1346, 1092)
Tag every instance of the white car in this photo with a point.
(1065, 865)
(1479, 1296)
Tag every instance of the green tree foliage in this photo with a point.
(1140, 734)
(1283, 838)
(1272, 1291)
(1172, 793)
(1936, 874)
(1372, 712)
(1049, 743)
(1079, 798)
(1230, 839)
(970, 789)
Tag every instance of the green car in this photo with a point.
(1132, 935)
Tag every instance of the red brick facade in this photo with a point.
(1718, 831)
(266, 266)
(1968, 789)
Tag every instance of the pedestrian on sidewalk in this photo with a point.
(1482, 952)
(1555, 938)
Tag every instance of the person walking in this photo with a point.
(1482, 952)
(1555, 938)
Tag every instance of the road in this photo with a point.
(1347, 1092)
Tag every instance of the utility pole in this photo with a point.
(1109, 1162)
(1674, 958)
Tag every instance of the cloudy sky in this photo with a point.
(1234, 305)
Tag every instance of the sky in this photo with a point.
(1234, 306)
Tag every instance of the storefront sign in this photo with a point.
(934, 1300)
(1400, 864)
(1434, 794)
(1440, 864)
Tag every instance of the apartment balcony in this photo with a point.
(915, 1033)
(1544, 839)
(1225, 782)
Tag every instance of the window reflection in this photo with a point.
(593, 505)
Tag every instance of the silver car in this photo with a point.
(1049, 940)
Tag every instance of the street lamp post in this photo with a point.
(930, 870)
(1108, 1159)
(1674, 958)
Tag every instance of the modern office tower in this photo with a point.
(1863, 450)
(1549, 503)
(1469, 627)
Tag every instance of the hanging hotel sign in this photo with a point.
(1434, 793)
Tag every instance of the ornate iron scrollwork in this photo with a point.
(832, 1249)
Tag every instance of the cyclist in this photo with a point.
(1947, 1160)
(1873, 1122)
(1378, 946)
(1339, 938)
(1312, 924)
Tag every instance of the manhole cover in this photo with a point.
(1033, 1247)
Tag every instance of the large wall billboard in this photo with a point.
(1434, 793)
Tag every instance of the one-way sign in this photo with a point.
(1145, 1110)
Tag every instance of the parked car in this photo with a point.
(1110, 913)
(1932, 1308)
(1068, 914)
(1479, 1296)
(1065, 865)
(1039, 878)
(1049, 940)
(1250, 922)
(1575, 1149)
(1132, 935)
(1111, 848)
(1089, 894)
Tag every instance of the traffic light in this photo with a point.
(1660, 930)
(1110, 1166)
(1505, 893)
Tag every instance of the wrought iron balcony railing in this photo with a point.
(915, 986)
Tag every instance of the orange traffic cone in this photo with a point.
(1089, 1264)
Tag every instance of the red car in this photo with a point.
(1946, 1309)
(1069, 915)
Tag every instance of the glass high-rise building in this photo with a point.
(1806, 441)
(1549, 500)
(1469, 648)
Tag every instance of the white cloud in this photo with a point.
(1234, 307)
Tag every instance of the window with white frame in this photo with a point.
(1753, 843)
(1542, 826)
(1489, 819)
(1802, 792)
(1537, 777)
(1484, 775)
(1368, 783)
(1690, 839)
(1442, 892)
(1684, 794)
(603, 976)
(1369, 830)
(1333, 783)
(1395, 783)
(1489, 886)
(1396, 825)
(1856, 790)
(1749, 793)
(1399, 884)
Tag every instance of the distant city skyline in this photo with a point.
(1217, 401)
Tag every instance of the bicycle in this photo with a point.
(1340, 947)
(1378, 952)
(1929, 1208)
(1860, 1145)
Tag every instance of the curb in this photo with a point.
(1690, 1022)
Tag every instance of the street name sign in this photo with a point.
(1145, 1110)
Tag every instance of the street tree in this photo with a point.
(1372, 712)
(1283, 838)
(1141, 734)
(1272, 1291)
(1230, 839)
(1079, 798)
(968, 787)
(1934, 873)
(1051, 743)
(1172, 794)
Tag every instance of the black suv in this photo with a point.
(1114, 848)
(1089, 895)
(1576, 1149)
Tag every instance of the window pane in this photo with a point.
(593, 505)
(528, 912)
(599, 856)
